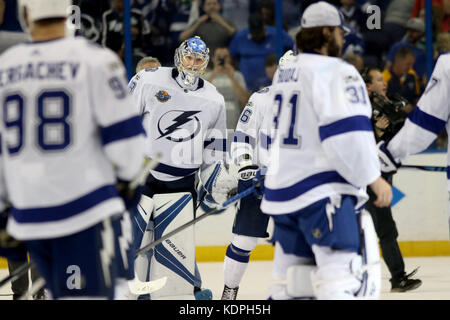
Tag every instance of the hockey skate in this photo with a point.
(229, 293)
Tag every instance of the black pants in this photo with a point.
(387, 234)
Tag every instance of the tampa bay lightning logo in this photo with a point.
(178, 125)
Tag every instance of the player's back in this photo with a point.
(53, 130)
(312, 94)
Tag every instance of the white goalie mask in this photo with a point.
(191, 59)
(41, 9)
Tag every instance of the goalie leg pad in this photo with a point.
(299, 285)
(174, 258)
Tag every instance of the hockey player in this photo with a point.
(69, 136)
(424, 123)
(185, 120)
(249, 151)
(322, 158)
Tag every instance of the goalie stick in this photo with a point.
(193, 221)
(150, 164)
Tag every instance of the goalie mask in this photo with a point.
(191, 59)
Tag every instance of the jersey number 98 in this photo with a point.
(52, 126)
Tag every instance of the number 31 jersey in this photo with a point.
(324, 143)
(68, 132)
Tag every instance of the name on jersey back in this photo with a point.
(40, 70)
(288, 75)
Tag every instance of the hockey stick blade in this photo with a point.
(203, 216)
(425, 168)
(138, 287)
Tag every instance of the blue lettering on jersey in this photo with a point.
(61, 70)
(288, 75)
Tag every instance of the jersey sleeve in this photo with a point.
(215, 142)
(428, 118)
(346, 133)
(246, 134)
(120, 124)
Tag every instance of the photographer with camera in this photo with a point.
(230, 83)
(388, 116)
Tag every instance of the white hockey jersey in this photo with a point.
(429, 117)
(186, 127)
(254, 129)
(69, 131)
(324, 143)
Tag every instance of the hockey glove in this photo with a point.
(387, 161)
(129, 196)
(250, 176)
(10, 248)
(219, 184)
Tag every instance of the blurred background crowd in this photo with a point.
(242, 38)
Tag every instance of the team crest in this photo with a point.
(162, 96)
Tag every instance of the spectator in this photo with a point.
(401, 78)
(441, 14)
(182, 13)
(236, 11)
(270, 66)
(353, 15)
(230, 83)
(11, 32)
(393, 28)
(356, 60)
(251, 46)
(113, 31)
(147, 63)
(442, 44)
(354, 43)
(211, 27)
(415, 32)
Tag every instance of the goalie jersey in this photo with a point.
(69, 131)
(429, 118)
(324, 143)
(254, 129)
(187, 127)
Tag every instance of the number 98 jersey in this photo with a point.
(68, 133)
(324, 142)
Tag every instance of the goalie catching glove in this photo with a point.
(218, 183)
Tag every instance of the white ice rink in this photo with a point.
(434, 273)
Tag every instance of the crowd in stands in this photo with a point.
(242, 37)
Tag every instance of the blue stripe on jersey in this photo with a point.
(216, 144)
(426, 121)
(355, 123)
(265, 140)
(174, 171)
(122, 130)
(448, 173)
(303, 186)
(67, 210)
(240, 136)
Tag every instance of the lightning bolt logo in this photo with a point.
(335, 203)
(178, 122)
